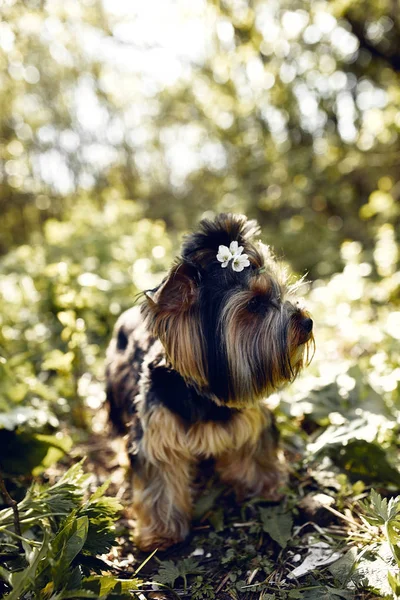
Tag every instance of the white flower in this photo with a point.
(240, 261)
(233, 253)
(224, 255)
(235, 249)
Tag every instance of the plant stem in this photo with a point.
(14, 506)
(35, 518)
(21, 538)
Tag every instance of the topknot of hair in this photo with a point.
(200, 248)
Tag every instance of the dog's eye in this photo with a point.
(258, 304)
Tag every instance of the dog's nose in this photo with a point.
(307, 324)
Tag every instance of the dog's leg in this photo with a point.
(162, 501)
(255, 469)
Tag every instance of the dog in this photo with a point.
(188, 371)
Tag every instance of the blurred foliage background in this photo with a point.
(287, 111)
(123, 123)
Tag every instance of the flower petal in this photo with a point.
(237, 267)
(234, 247)
(223, 254)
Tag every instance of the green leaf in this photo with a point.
(394, 582)
(169, 572)
(366, 461)
(343, 568)
(277, 524)
(379, 511)
(76, 541)
(75, 577)
(25, 453)
(58, 361)
(101, 490)
(372, 569)
(66, 546)
(102, 512)
(24, 580)
(5, 575)
(217, 519)
(206, 501)
(57, 448)
(104, 585)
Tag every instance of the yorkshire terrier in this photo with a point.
(187, 373)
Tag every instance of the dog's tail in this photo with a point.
(123, 367)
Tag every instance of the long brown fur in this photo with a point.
(188, 373)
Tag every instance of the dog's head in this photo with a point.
(226, 317)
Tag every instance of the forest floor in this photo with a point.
(302, 547)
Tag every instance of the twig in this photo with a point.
(13, 504)
(223, 582)
(253, 574)
(248, 524)
(340, 516)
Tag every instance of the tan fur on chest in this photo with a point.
(166, 437)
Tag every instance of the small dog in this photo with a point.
(187, 373)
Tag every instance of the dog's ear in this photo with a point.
(178, 292)
(172, 314)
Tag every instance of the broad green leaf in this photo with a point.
(277, 524)
(373, 569)
(25, 453)
(102, 512)
(104, 585)
(67, 545)
(366, 461)
(343, 568)
(76, 541)
(169, 571)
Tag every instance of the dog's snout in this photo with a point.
(307, 324)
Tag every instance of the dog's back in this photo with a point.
(125, 354)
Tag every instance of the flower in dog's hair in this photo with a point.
(234, 253)
(235, 249)
(240, 261)
(224, 255)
